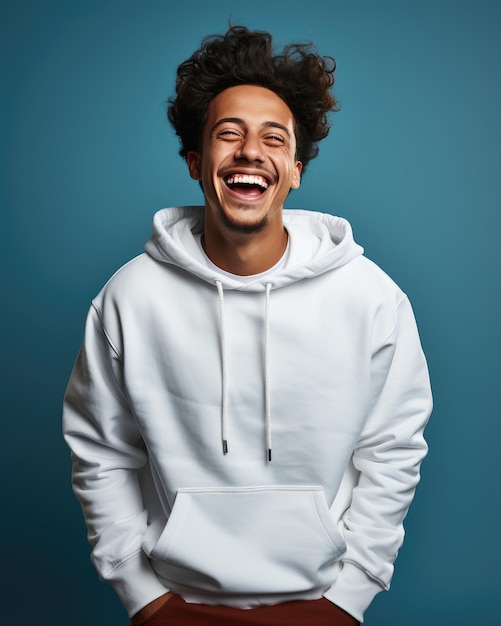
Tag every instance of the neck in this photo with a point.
(245, 254)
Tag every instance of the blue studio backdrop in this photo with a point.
(413, 161)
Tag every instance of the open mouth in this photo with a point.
(249, 185)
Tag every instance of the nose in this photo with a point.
(250, 149)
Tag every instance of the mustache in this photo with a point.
(267, 173)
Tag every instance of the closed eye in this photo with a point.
(229, 133)
(277, 139)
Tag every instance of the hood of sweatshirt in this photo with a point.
(318, 243)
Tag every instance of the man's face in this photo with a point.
(247, 163)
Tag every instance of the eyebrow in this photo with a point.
(241, 122)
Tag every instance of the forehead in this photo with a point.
(252, 104)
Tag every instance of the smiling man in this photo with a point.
(247, 164)
(246, 413)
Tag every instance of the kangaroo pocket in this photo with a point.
(249, 540)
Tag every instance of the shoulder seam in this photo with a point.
(403, 298)
(105, 332)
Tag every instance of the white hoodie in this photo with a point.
(189, 377)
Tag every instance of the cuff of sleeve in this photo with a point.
(135, 583)
(353, 591)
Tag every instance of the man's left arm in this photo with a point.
(387, 459)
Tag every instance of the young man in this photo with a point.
(246, 414)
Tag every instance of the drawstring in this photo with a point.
(267, 405)
(224, 391)
(224, 383)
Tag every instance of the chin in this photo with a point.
(247, 227)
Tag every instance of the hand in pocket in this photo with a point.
(340, 617)
(148, 615)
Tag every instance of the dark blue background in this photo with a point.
(413, 161)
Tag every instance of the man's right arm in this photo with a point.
(107, 452)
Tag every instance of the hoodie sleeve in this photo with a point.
(387, 459)
(107, 453)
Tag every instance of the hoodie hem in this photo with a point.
(241, 601)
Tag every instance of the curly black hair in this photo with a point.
(299, 75)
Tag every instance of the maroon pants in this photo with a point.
(177, 612)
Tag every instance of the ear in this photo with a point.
(193, 161)
(296, 175)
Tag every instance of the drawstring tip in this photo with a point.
(225, 446)
(269, 454)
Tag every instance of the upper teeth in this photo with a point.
(247, 179)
